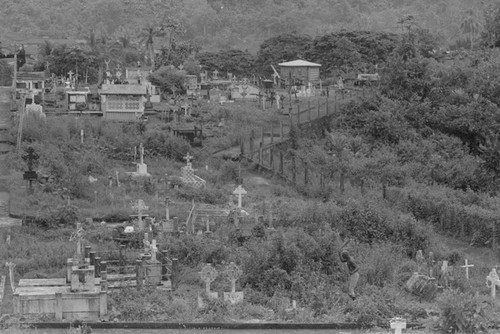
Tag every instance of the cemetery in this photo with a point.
(300, 186)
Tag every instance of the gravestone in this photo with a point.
(420, 260)
(208, 274)
(82, 275)
(422, 286)
(467, 266)
(398, 324)
(188, 176)
(492, 281)
(239, 191)
(142, 168)
(140, 207)
(153, 266)
(233, 273)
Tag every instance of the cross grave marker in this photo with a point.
(239, 191)
(467, 266)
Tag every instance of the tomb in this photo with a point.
(122, 102)
(187, 174)
(233, 273)
(142, 168)
(80, 295)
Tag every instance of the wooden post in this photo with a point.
(319, 110)
(280, 167)
(309, 111)
(92, 258)
(262, 135)
(122, 259)
(97, 266)
(175, 269)
(104, 276)
(335, 104)
(272, 134)
(271, 162)
(242, 145)
(164, 265)
(306, 176)
(138, 273)
(86, 252)
(327, 106)
(494, 236)
(298, 114)
(69, 270)
(281, 130)
(294, 171)
(252, 134)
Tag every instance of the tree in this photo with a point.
(237, 62)
(491, 34)
(470, 26)
(282, 48)
(169, 80)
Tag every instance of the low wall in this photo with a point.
(81, 306)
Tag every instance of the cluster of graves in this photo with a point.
(432, 276)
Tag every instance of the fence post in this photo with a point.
(104, 276)
(294, 172)
(251, 144)
(298, 114)
(97, 266)
(164, 264)
(242, 145)
(319, 110)
(280, 167)
(281, 130)
(309, 111)
(175, 269)
(306, 176)
(121, 259)
(92, 258)
(271, 162)
(86, 252)
(272, 134)
(494, 240)
(335, 104)
(327, 106)
(138, 273)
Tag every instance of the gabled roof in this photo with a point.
(299, 63)
(30, 75)
(123, 89)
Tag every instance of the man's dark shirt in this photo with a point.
(353, 267)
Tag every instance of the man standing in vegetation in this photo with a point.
(351, 266)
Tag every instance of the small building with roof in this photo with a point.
(122, 102)
(299, 72)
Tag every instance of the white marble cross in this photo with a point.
(239, 192)
(398, 325)
(467, 266)
(494, 281)
(188, 159)
(70, 73)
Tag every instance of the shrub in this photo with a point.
(463, 312)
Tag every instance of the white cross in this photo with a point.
(467, 266)
(398, 324)
(240, 192)
(70, 73)
(188, 158)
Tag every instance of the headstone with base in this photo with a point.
(233, 273)
(142, 168)
(208, 274)
(492, 281)
(140, 207)
(239, 191)
(153, 266)
(82, 275)
(398, 324)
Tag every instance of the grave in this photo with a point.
(187, 174)
(398, 324)
(142, 168)
(239, 191)
(208, 274)
(80, 295)
(422, 286)
(492, 281)
(233, 273)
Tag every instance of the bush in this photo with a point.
(463, 313)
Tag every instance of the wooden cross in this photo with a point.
(467, 266)
(239, 192)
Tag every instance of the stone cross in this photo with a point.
(398, 324)
(11, 266)
(233, 273)
(420, 259)
(188, 159)
(467, 266)
(208, 274)
(239, 192)
(139, 206)
(492, 281)
(70, 73)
